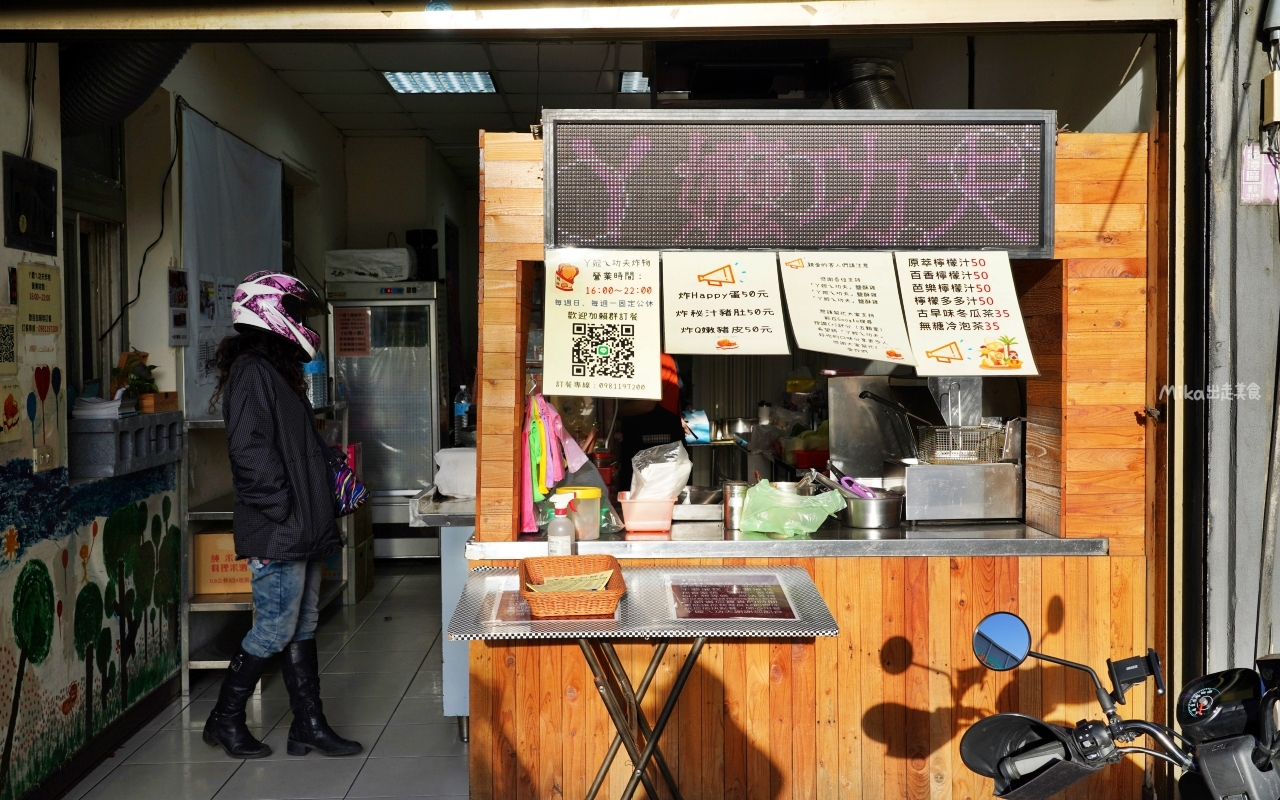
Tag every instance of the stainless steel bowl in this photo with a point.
(882, 512)
(726, 429)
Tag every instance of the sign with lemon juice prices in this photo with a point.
(722, 303)
(962, 313)
(602, 329)
(847, 304)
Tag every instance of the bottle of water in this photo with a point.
(461, 414)
(316, 374)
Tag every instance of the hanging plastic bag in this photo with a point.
(587, 475)
(772, 510)
(660, 472)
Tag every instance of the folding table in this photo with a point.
(488, 609)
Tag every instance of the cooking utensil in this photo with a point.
(856, 488)
(945, 444)
(903, 417)
(877, 512)
(735, 494)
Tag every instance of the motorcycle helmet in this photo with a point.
(279, 303)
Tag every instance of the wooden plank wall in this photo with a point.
(1086, 319)
(510, 239)
(877, 712)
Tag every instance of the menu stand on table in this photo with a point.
(652, 609)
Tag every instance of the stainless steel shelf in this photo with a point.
(218, 509)
(217, 423)
(243, 601)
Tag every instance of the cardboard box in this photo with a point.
(362, 524)
(216, 569)
(363, 569)
(355, 459)
(332, 567)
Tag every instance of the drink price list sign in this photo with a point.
(723, 302)
(602, 329)
(745, 597)
(962, 313)
(846, 303)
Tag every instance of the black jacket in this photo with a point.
(284, 490)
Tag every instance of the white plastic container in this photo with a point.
(586, 518)
(561, 529)
(646, 515)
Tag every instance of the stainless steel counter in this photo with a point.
(707, 540)
(426, 512)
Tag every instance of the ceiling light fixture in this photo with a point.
(634, 83)
(440, 82)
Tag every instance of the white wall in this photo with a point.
(228, 84)
(1079, 75)
(399, 184)
(46, 149)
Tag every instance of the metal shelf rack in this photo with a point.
(210, 655)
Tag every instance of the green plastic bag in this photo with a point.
(774, 511)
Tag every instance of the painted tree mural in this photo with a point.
(144, 581)
(88, 626)
(121, 538)
(106, 667)
(33, 634)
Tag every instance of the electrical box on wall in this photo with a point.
(30, 205)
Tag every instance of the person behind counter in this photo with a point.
(284, 521)
(648, 423)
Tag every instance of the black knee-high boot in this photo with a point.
(226, 723)
(301, 670)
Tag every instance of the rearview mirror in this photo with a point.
(1001, 641)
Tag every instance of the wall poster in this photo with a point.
(39, 299)
(179, 332)
(602, 331)
(847, 304)
(962, 313)
(722, 302)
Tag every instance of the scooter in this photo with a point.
(1227, 749)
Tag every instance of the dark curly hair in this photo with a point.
(278, 352)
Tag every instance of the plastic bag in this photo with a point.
(588, 475)
(774, 511)
(660, 472)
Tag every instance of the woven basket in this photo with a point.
(571, 604)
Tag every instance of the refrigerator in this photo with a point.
(387, 364)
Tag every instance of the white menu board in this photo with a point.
(962, 313)
(846, 303)
(722, 302)
(601, 331)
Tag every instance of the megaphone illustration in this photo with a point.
(946, 354)
(717, 277)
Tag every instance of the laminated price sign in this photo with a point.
(602, 334)
(726, 303)
(847, 304)
(962, 314)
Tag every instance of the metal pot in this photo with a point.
(725, 429)
(882, 512)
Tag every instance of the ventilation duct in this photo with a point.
(866, 85)
(104, 82)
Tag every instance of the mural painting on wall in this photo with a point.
(89, 583)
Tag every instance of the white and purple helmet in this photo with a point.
(279, 303)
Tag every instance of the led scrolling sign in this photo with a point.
(826, 180)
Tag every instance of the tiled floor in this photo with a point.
(381, 685)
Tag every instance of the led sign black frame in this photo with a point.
(800, 180)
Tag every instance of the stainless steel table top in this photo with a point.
(645, 611)
(707, 540)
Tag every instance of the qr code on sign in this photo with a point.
(604, 351)
(6, 343)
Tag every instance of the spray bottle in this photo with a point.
(561, 530)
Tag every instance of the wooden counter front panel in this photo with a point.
(876, 712)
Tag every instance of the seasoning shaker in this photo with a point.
(735, 494)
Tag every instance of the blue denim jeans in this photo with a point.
(286, 600)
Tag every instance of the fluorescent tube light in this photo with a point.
(440, 82)
(634, 83)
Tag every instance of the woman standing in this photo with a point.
(284, 521)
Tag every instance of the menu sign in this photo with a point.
(962, 314)
(846, 303)
(722, 302)
(39, 299)
(351, 332)
(602, 325)
(745, 597)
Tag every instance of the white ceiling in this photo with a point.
(344, 83)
